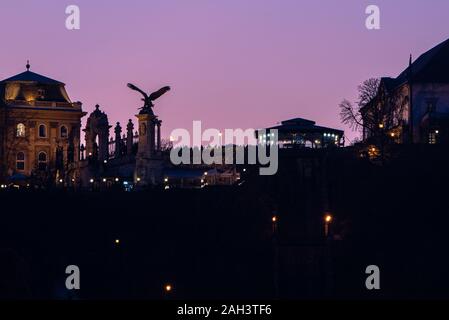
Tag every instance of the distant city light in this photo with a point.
(104, 180)
(138, 179)
(168, 287)
(381, 125)
(166, 180)
(328, 218)
(437, 132)
(274, 219)
(105, 161)
(61, 181)
(205, 173)
(117, 241)
(91, 180)
(117, 179)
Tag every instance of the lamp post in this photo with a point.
(327, 221)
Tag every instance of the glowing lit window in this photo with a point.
(432, 138)
(42, 161)
(64, 132)
(20, 161)
(20, 132)
(42, 131)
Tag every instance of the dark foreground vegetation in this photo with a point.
(217, 243)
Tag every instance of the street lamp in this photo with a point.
(327, 221)
(168, 288)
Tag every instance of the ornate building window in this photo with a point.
(42, 161)
(42, 131)
(20, 130)
(64, 133)
(20, 161)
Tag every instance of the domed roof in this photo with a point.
(29, 76)
(30, 86)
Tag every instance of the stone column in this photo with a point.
(159, 122)
(118, 138)
(129, 137)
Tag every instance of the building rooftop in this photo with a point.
(431, 66)
(304, 125)
(29, 76)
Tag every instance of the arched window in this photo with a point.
(20, 132)
(42, 161)
(42, 131)
(64, 132)
(20, 161)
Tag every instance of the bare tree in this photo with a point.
(376, 111)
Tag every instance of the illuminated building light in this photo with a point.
(167, 187)
(381, 125)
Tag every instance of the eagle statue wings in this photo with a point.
(148, 99)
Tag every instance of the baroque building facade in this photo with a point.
(39, 129)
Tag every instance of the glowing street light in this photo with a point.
(168, 288)
(327, 221)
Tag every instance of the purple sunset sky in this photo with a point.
(231, 63)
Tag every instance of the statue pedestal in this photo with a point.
(149, 164)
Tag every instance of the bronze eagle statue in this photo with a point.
(148, 99)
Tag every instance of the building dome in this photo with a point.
(29, 86)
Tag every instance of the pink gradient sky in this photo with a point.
(231, 63)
